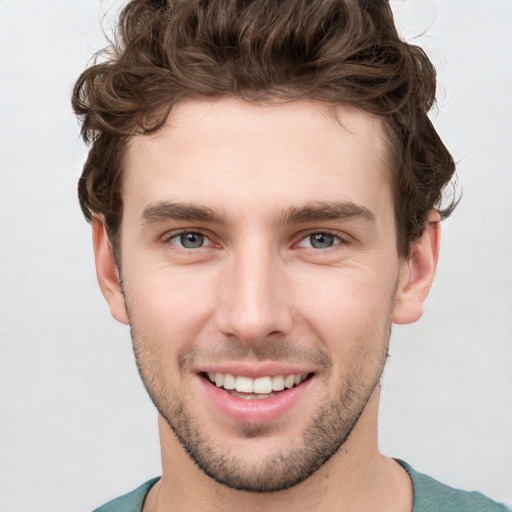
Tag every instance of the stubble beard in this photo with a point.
(327, 431)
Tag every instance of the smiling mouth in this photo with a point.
(260, 388)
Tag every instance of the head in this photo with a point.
(338, 52)
(263, 175)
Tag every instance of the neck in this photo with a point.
(356, 478)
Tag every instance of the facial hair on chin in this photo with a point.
(329, 428)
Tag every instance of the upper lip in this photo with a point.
(254, 370)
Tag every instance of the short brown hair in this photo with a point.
(333, 51)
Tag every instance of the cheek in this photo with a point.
(351, 319)
(172, 305)
(348, 309)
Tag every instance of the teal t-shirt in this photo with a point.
(429, 496)
(433, 496)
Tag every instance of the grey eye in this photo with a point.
(321, 240)
(191, 240)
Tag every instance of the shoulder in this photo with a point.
(131, 502)
(433, 496)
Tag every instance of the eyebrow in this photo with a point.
(311, 212)
(164, 210)
(321, 211)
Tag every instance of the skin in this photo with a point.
(256, 292)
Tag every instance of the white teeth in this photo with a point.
(262, 386)
(289, 381)
(278, 383)
(229, 381)
(244, 384)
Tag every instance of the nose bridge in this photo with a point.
(254, 302)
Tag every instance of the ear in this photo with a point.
(417, 273)
(107, 273)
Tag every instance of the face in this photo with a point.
(260, 273)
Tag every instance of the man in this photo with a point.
(264, 187)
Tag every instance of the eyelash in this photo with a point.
(339, 240)
(175, 234)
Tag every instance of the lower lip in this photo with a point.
(254, 411)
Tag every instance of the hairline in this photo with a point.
(329, 108)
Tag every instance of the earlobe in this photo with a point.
(418, 273)
(107, 272)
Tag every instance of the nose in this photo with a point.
(254, 298)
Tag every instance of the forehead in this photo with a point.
(232, 155)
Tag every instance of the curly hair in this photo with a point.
(334, 51)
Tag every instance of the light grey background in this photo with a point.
(76, 427)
